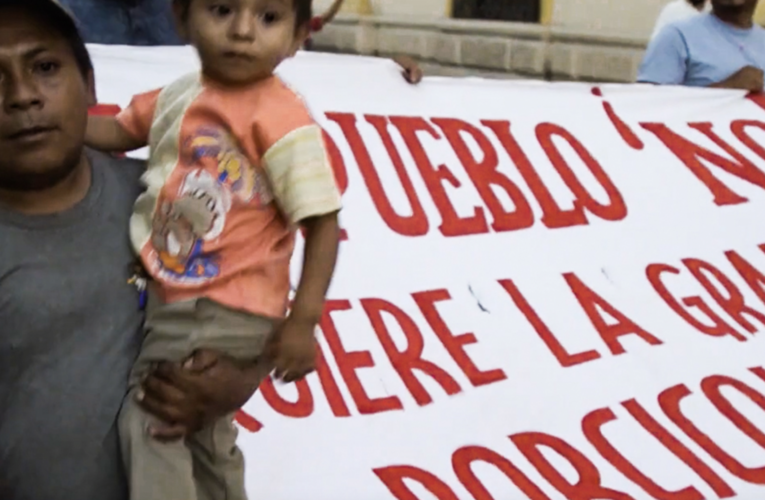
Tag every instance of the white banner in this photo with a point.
(547, 291)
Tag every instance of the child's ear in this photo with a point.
(301, 35)
(180, 16)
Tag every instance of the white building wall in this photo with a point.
(431, 9)
(625, 17)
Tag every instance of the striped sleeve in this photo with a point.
(301, 174)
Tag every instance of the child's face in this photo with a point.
(242, 41)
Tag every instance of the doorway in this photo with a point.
(526, 11)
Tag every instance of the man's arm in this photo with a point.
(318, 22)
(666, 59)
(330, 13)
(747, 78)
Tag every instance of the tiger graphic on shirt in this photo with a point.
(220, 176)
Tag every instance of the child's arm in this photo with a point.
(105, 133)
(293, 349)
(322, 239)
(305, 190)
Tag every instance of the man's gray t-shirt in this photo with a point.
(69, 333)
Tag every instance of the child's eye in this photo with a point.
(220, 10)
(270, 17)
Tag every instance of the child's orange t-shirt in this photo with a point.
(230, 174)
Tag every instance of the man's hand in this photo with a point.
(412, 70)
(188, 396)
(293, 349)
(747, 78)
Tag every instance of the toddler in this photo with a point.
(236, 164)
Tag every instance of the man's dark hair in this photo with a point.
(697, 3)
(54, 16)
(303, 11)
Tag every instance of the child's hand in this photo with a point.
(293, 349)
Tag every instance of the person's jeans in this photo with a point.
(125, 22)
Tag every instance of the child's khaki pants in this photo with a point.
(207, 465)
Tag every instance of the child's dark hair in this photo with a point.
(303, 11)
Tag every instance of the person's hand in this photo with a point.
(412, 71)
(747, 78)
(187, 396)
(293, 349)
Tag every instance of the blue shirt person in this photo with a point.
(125, 22)
(721, 49)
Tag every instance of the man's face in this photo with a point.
(44, 102)
(734, 6)
(241, 41)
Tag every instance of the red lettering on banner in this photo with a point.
(394, 475)
(452, 224)
(591, 302)
(247, 421)
(587, 487)
(463, 460)
(626, 133)
(691, 155)
(759, 371)
(753, 277)
(553, 216)
(454, 344)
(349, 362)
(734, 303)
(485, 176)
(338, 167)
(669, 400)
(338, 164)
(719, 328)
(711, 388)
(301, 408)
(615, 209)
(738, 127)
(757, 98)
(330, 387)
(412, 225)
(591, 426)
(677, 448)
(553, 344)
(405, 362)
(588, 484)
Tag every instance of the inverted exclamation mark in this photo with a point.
(622, 128)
